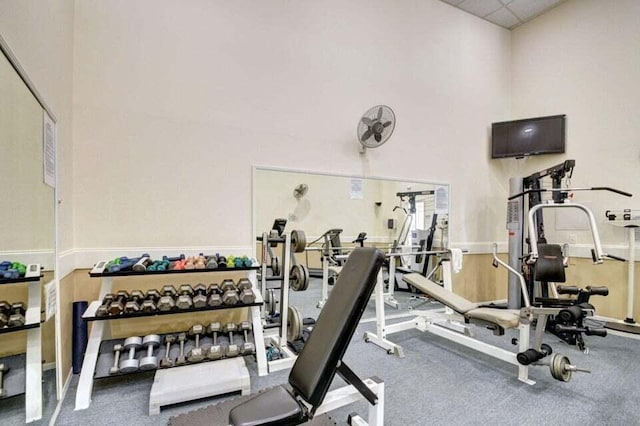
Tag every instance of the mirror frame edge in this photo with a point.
(13, 60)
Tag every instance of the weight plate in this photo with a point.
(275, 265)
(294, 324)
(298, 241)
(557, 365)
(271, 301)
(299, 278)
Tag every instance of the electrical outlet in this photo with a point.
(573, 239)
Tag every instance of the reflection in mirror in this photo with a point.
(388, 210)
(27, 227)
(334, 211)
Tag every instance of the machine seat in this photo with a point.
(504, 318)
(276, 406)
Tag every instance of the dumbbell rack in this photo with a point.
(278, 338)
(100, 327)
(33, 364)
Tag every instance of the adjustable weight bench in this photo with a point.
(498, 320)
(321, 358)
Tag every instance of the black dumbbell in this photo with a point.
(167, 301)
(115, 369)
(103, 310)
(222, 261)
(232, 348)
(247, 347)
(215, 295)
(18, 310)
(150, 362)
(4, 369)
(117, 305)
(5, 310)
(185, 299)
(215, 351)
(167, 361)
(229, 292)
(131, 364)
(134, 303)
(196, 354)
(150, 302)
(200, 297)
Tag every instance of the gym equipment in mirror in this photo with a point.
(27, 251)
(340, 212)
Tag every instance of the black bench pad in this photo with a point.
(274, 407)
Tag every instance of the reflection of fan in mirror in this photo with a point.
(300, 191)
(376, 126)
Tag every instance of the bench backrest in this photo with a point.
(316, 365)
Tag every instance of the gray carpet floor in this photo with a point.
(12, 409)
(438, 382)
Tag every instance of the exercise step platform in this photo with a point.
(197, 381)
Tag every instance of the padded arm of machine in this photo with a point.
(533, 256)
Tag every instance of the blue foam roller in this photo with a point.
(80, 335)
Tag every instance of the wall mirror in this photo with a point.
(315, 202)
(388, 210)
(28, 236)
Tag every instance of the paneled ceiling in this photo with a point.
(506, 13)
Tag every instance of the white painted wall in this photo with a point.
(40, 34)
(583, 59)
(175, 101)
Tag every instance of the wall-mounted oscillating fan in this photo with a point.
(376, 126)
(300, 191)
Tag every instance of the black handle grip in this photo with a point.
(593, 256)
(559, 328)
(598, 291)
(568, 289)
(621, 259)
(601, 332)
(617, 191)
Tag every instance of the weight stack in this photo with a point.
(79, 340)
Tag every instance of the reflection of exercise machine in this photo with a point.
(453, 326)
(320, 360)
(333, 250)
(630, 220)
(332, 257)
(543, 265)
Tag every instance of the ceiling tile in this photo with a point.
(528, 9)
(453, 2)
(480, 7)
(503, 17)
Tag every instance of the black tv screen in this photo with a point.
(532, 136)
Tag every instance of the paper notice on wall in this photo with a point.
(442, 199)
(50, 302)
(356, 189)
(49, 157)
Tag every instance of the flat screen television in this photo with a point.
(531, 136)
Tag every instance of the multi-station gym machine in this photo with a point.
(543, 264)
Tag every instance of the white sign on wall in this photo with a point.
(49, 157)
(356, 189)
(442, 199)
